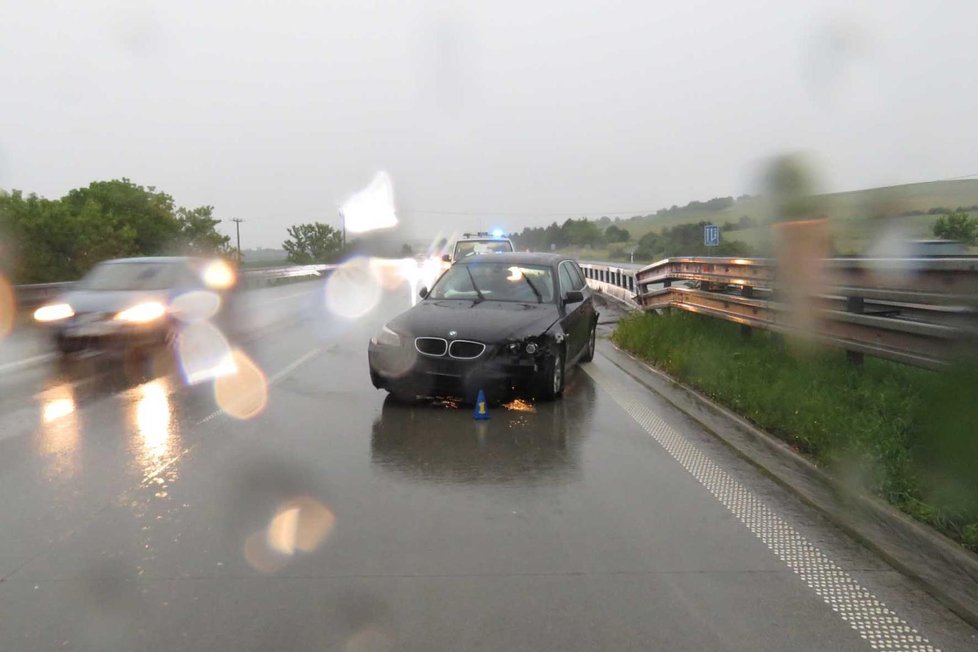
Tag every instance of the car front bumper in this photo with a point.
(496, 372)
(109, 335)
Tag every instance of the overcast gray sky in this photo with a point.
(277, 111)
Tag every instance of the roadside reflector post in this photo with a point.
(481, 411)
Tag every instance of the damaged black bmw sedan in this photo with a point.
(500, 323)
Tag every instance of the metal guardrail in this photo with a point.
(918, 311)
(615, 281)
(286, 271)
(31, 296)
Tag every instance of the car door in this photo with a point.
(574, 320)
(590, 312)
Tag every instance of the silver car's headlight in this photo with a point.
(53, 312)
(386, 337)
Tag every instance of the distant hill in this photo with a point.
(857, 218)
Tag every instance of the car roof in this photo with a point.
(524, 258)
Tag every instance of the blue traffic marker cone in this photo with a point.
(481, 412)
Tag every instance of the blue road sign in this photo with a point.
(711, 235)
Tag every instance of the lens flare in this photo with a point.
(196, 306)
(372, 208)
(299, 525)
(353, 289)
(260, 557)
(244, 393)
(8, 307)
(204, 353)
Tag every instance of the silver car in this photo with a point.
(136, 302)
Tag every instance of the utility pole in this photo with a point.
(343, 228)
(237, 228)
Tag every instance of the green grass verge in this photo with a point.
(906, 434)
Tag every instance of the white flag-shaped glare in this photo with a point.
(372, 208)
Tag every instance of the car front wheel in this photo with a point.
(550, 383)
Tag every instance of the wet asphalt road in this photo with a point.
(136, 515)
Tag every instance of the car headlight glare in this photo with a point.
(387, 337)
(53, 312)
(142, 313)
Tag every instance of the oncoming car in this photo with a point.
(136, 303)
(497, 323)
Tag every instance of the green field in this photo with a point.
(857, 219)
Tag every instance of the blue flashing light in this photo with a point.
(497, 233)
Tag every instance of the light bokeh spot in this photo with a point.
(204, 353)
(195, 306)
(353, 289)
(300, 524)
(244, 393)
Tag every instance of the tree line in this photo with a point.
(572, 233)
(45, 240)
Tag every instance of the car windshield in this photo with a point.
(476, 247)
(131, 276)
(496, 282)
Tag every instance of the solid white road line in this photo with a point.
(857, 606)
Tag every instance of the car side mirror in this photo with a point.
(423, 293)
(446, 258)
(574, 296)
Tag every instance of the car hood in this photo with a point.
(485, 321)
(82, 301)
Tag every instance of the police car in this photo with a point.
(475, 244)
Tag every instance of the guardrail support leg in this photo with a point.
(856, 305)
(745, 330)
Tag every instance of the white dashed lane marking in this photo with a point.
(877, 624)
